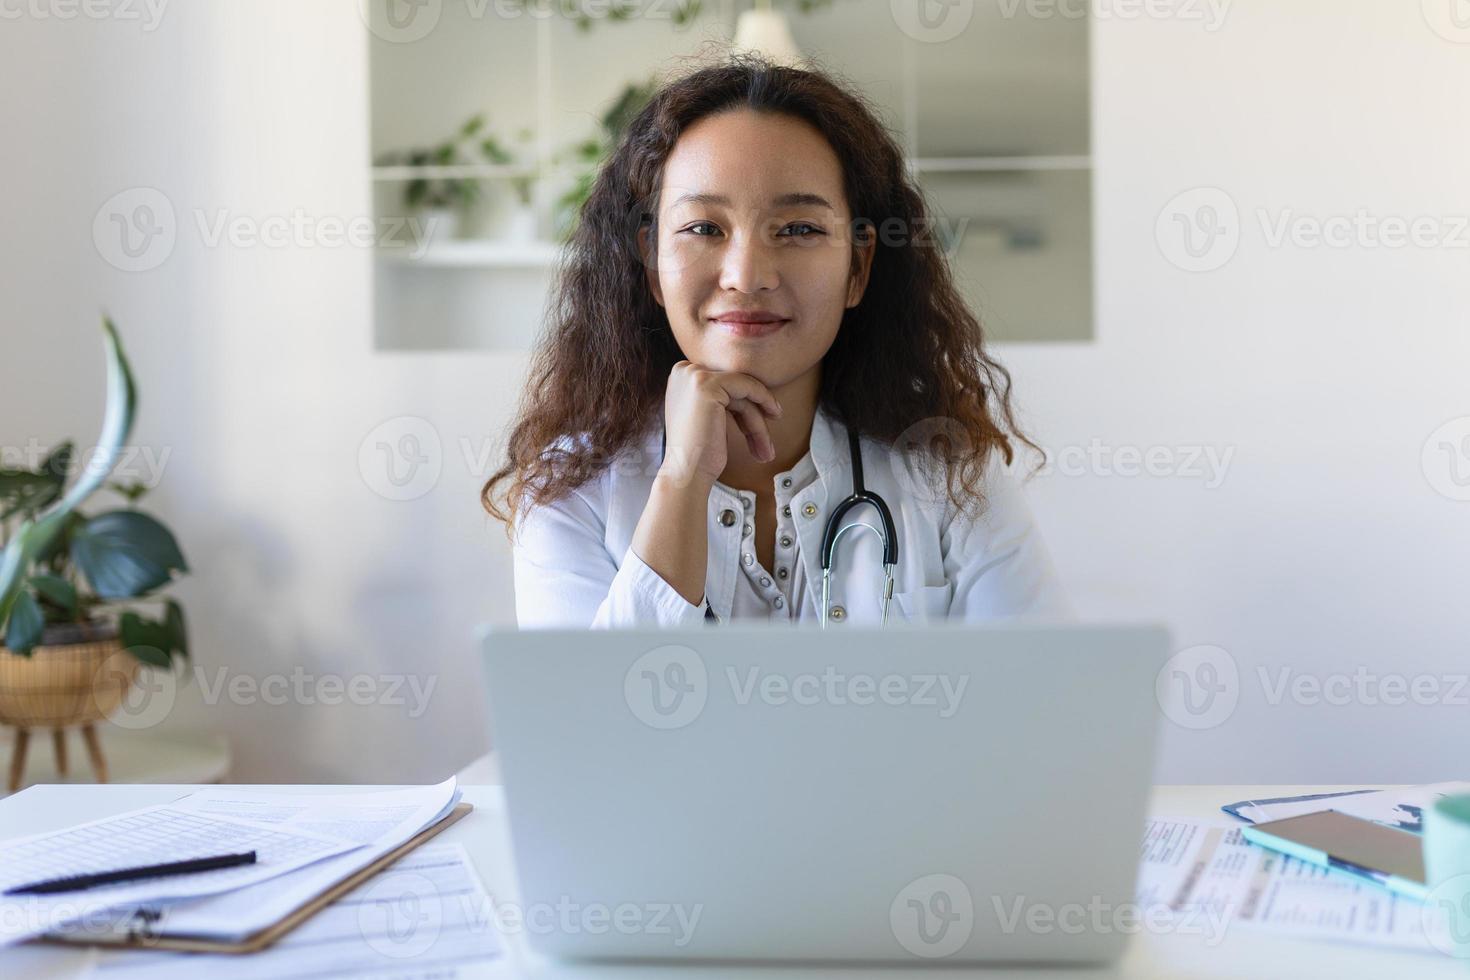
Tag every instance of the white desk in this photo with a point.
(1241, 954)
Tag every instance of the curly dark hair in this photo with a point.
(911, 350)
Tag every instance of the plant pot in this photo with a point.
(440, 224)
(519, 224)
(77, 676)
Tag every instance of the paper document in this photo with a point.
(379, 821)
(1402, 807)
(1206, 873)
(152, 835)
(427, 916)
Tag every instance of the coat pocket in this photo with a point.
(929, 602)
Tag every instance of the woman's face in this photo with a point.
(752, 219)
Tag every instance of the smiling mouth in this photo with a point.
(749, 328)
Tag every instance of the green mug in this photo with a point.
(1447, 873)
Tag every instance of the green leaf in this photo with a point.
(33, 537)
(146, 639)
(133, 491)
(26, 624)
(125, 553)
(56, 589)
(173, 618)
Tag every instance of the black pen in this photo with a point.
(79, 882)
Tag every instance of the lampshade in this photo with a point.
(766, 32)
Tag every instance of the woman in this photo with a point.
(752, 280)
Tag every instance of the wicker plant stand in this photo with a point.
(74, 679)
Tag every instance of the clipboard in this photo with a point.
(141, 938)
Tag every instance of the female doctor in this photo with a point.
(760, 396)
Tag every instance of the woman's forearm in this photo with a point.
(672, 534)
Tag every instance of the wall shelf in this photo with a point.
(477, 254)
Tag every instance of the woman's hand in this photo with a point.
(699, 407)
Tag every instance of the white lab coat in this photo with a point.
(574, 565)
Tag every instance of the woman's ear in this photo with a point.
(864, 246)
(649, 271)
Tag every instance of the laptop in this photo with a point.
(923, 793)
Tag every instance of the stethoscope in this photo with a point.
(835, 529)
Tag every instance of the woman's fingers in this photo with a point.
(752, 422)
(748, 388)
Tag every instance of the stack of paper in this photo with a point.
(304, 844)
(427, 916)
(1203, 878)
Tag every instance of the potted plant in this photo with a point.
(520, 225)
(71, 582)
(588, 154)
(442, 199)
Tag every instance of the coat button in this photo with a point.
(781, 573)
(786, 510)
(727, 517)
(810, 510)
(747, 530)
(786, 483)
(765, 582)
(779, 602)
(745, 502)
(785, 540)
(838, 614)
(748, 558)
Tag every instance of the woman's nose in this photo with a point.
(749, 264)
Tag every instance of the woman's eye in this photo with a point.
(702, 224)
(812, 229)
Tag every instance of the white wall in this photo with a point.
(1324, 550)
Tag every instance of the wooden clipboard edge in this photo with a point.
(265, 937)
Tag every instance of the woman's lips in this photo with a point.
(745, 328)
